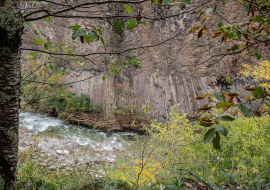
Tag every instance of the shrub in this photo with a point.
(70, 102)
(175, 145)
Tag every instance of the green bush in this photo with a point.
(176, 145)
(244, 156)
(70, 102)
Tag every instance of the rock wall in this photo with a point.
(176, 65)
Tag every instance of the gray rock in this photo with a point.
(51, 168)
(101, 171)
(59, 152)
(44, 165)
(69, 169)
(65, 152)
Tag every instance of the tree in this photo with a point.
(11, 30)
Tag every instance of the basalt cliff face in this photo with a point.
(176, 65)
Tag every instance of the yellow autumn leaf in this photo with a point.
(201, 32)
(204, 18)
(195, 29)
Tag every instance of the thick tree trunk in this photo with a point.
(11, 28)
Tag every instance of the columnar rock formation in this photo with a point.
(176, 65)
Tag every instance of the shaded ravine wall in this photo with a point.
(158, 92)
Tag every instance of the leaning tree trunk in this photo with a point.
(11, 28)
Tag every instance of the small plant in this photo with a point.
(96, 108)
(227, 81)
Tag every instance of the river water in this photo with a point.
(58, 142)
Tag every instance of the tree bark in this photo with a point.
(11, 29)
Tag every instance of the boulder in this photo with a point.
(22, 131)
(65, 152)
(51, 168)
(59, 152)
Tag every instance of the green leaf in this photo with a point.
(208, 10)
(186, 1)
(48, 19)
(93, 27)
(103, 43)
(209, 135)
(220, 12)
(38, 41)
(220, 24)
(218, 96)
(128, 9)
(75, 27)
(88, 38)
(46, 3)
(257, 18)
(258, 92)
(77, 33)
(46, 46)
(100, 32)
(51, 67)
(246, 111)
(103, 78)
(216, 141)
(225, 118)
(222, 130)
(239, 35)
(118, 26)
(131, 24)
(258, 55)
(235, 47)
(93, 35)
(224, 2)
(245, 9)
(28, 24)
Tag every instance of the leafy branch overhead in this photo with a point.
(245, 34)
(224, 102)
(93, 35)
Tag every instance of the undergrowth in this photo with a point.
(174, 156)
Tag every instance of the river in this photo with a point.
(58, 145)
